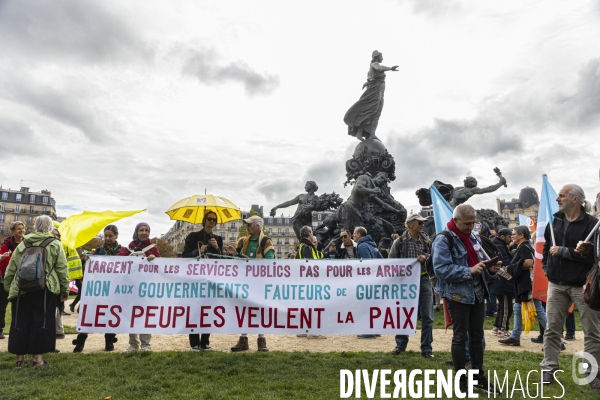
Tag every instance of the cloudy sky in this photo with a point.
(136, 104)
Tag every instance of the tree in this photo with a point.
(244, 230)
(164, 248)
(93, 244)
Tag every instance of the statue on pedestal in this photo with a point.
(362, 118)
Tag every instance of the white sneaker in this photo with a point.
(317, 337)
(146, 348)
(130, 349)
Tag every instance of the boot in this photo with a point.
(262, 344)
(109, 339)
(79, 342)
(242, 344)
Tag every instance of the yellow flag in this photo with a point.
(77, 230)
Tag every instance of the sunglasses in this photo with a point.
(211, 219)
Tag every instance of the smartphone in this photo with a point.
(491, 262)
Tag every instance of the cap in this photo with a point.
(415, 217)
(504, 231)
(255, 219)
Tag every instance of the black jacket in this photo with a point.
(341, 252)
(521, 278)
(572, 268)
(194, 240)
(501, 286)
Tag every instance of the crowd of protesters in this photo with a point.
(460, 272)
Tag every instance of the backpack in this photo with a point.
(429, 262)
(32, 266)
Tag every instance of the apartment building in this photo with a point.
(24, 205)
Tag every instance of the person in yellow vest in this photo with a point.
(75, 271)
(307, 248)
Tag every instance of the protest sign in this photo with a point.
(176, 295)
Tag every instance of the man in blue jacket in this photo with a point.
(458, 263)
(365, 248)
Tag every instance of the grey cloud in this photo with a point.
(583, 107)
(17, 139)
(207, 67)
(69, 107)
(278, 190)
(435, 8)
(442, 152)
(69, 29)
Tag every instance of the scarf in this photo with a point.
(465, 238)
(109, 250)
(135, 235)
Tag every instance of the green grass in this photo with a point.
(274, 375)
(488, 324)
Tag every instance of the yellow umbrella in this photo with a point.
(192, 209)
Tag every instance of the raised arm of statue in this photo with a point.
(489, 189)
(382, 68)
(285, 204)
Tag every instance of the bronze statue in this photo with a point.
(362, 118)
(306, 205)
(462, 194)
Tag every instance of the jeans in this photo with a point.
(467, 319)
(557, 308)
(426, 312)
(570, 324)
(518, 328)
(492, 307)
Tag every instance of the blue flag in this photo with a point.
(523, 219)
(442, 212)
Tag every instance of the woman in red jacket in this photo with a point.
(140, 246)
(10, 244)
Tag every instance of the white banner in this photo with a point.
(176, 295)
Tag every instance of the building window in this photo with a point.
(287, 221)
(3, 207)
(222, 234)
(279, 250)
(535, 214)
(30, 219)
(279, 231)
(278, 240)
(4, 196)
(16, 217)
(1, 217)
(1, 228)
(30, 209)
(278, 221)
(287, 240)
(32, 198)
(270, 220)
(232, 225)
(287, 231)
(506, 216)
(270, 231)
(319, 216)
(44, 209)
(45, 199)
(18, 197)
(17, 208)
